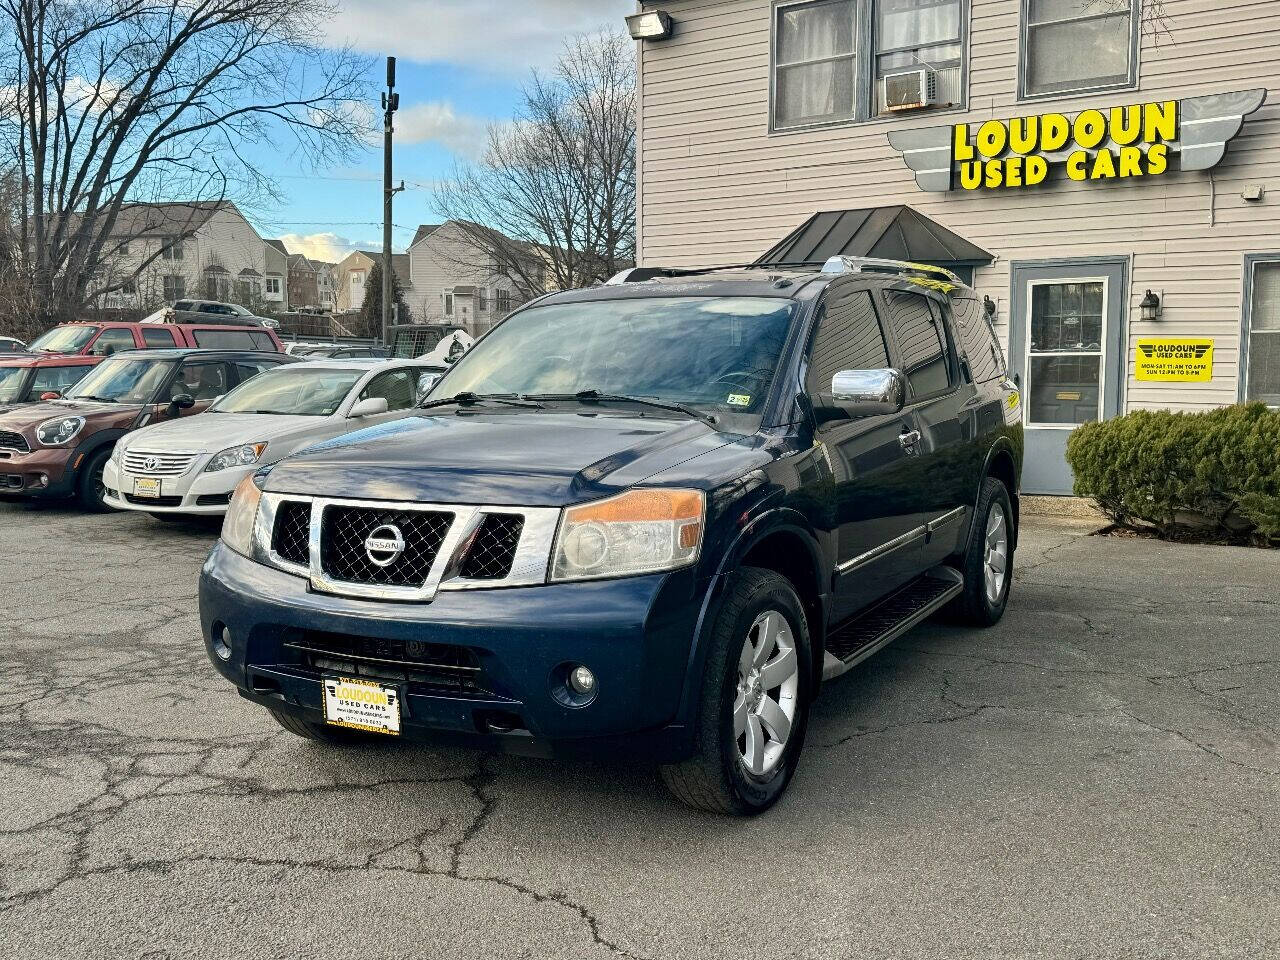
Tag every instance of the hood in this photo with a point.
(99, 414)
(211, 432)
(517, 458)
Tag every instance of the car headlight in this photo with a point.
(243, 456)
(54, 433)
(117, 453)
(242, 515)
(640, 531)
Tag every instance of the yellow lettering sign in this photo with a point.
(1174, 360)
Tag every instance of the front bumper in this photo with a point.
(194, 492)
(635, 634)
(44, 472)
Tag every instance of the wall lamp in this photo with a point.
(651, 25)
(1152, 307)
(989, 308)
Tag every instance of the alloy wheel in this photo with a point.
(764, 708)
(996, 554)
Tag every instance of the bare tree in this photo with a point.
(552, 202)
(115, 103)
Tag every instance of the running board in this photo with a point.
(852, 642)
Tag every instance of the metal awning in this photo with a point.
(893, 233)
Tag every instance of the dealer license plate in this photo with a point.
(146, 487)
(361, 705)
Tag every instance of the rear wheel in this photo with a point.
(321, 732)
(754, 705)
(987, 562)
(91, 490)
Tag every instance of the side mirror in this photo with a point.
(369, 407)
(862, 393)
(183, 401)
(51, 395)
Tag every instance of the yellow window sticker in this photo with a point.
(739, 399)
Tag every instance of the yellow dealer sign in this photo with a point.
(1175, 359)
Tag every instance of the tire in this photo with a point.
(90, 489)
(321, 732)
(983, 601)
(717, 777)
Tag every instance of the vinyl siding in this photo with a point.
(444, 260)
(717, 187)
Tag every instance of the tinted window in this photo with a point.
(249, 369)
(921, 343)
(204, 381)
(59, 379)
(160, 337)
(849, 338)
(225, 339)
(978, 340)
(399, 387)
(112, 341)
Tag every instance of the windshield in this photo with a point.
(123, 381)
(715, 353)
(11, 379)
(63, 340)
(306, 393)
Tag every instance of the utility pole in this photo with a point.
(390, 103)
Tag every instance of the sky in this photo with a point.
(460, 65)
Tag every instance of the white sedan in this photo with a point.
(191, 465)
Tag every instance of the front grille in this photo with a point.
(11, 481)
(440, 666)
(14, 441)
(342, 544)
(158, 464)
(213, 500)
(494, 549)
(291, 539)
(154, 501)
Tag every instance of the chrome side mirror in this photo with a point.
(864, 393)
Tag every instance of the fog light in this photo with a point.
(222, 642)
(582, 681)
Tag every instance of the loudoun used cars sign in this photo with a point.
(1137, 140)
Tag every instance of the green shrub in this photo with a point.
(1219, 469)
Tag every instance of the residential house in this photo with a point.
(162, 252)
(1102, 172)
(275, 282)
(325, 284)
(304, 282)
(455, 282)
(352, 276)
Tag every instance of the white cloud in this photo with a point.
(328, 247)
(506, 36)
(438, 123)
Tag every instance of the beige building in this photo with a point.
(351, 278)
(984, 135)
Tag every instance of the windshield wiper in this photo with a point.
(595, 396)
(86, 396)
(467, 399)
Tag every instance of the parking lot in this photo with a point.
(1097, 776)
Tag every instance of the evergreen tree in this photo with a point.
(371, 309)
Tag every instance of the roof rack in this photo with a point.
(840, 264)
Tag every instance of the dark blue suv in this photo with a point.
(654, 515)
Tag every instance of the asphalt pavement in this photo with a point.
(1097, 776)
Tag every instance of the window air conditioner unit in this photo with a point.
(909, 91)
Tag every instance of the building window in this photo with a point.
(448, 303)
(503, 298)
(123, 249)
(1262, 375)
(173, 251)
(911, 34)
(175, 287)
(273, 286)
(1076, 45)
(482, 299)
(129, 288)
(831, 57)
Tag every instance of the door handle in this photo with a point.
(909, 438)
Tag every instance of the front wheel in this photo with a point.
(91, 490)
(987, 562)
(754, 705)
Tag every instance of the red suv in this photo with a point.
(96, 339)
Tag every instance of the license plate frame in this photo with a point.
(365, 705)
(148, 488)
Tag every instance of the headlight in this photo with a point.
(237, 525)
(54, 433)
(117, 453)
(641, 531)
(244, 456)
